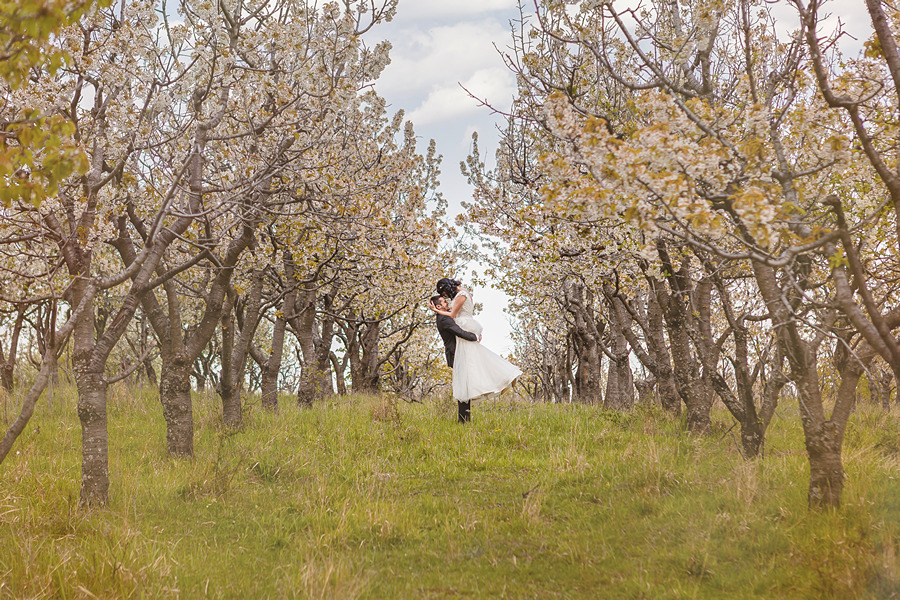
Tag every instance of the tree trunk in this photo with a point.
(236, 350)
(304, 324)
(751, 436)
(585, 335)
(90, 381)
(231, 398)
(175, 396)
(698, 400)
(94, 438)
(269, 385)
(740, 404)
(248, 324)
(752, 427)
(884, 387)
(149, 371)
(772, 388)
(273, 364)
(8, 363)
(694, 389)
(644, 389)
(364, 374)
(325, 386)
(588, 371)
(558, 366)
(823, 438)
(826, 473)
(656, 345)
(339, 367)
(620, 379)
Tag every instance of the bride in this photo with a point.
(477, 371)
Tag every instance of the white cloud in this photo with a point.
(448, 102)
(409, 10)
(442, 104)
(852, 18)
(421, 60)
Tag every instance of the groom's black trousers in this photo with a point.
(465, 412)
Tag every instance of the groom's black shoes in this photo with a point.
(465, 412)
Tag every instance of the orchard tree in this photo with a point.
(36, 154)
(185, 125)
(75, 220)
(284, 105)
(732, 151)
(867, 91)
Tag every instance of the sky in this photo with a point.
(441, 46)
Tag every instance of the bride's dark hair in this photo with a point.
(448, 287)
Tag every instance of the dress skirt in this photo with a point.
(478, 371)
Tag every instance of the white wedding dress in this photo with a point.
(476, 370)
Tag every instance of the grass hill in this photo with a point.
(366, 497)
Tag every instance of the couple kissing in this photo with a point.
(477, 371)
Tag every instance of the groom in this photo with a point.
(449, 331)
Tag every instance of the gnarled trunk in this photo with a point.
(698, 400)
(659, 350)
(238, 329)
(8, 363)
(620, 379)
(94, 438)
(231, 398)
(826, 472)
(175, 396)
(312, 385)
(269, 385)
(364, 374)
(272, 366)
(644, 389)
(823, 437)
(585, 334)
(752, 427)
(90, 381)
(694, 389)
(588, 370)
(740, 403)
(772, 388)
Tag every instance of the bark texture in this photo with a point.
(586, 336)
(272, 365)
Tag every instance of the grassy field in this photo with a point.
(364, 497)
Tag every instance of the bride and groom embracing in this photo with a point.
(477, 371)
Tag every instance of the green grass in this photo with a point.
(361, 497)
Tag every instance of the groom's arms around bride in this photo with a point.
(449, 330)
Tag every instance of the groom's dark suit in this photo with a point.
(449, 331)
